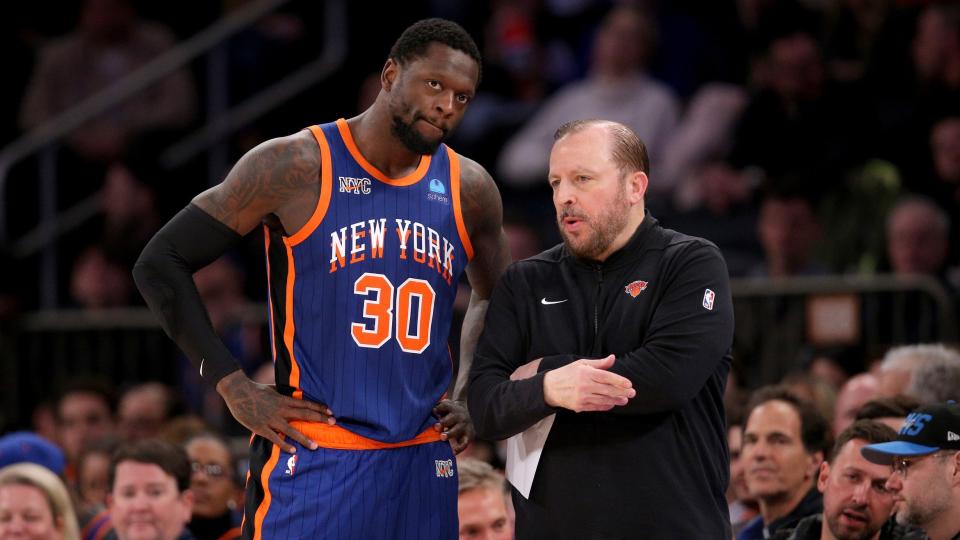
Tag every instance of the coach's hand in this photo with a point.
(586, 385)
(455, 424)
(264, 411)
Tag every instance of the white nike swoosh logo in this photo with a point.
(550, 302)
(202, 360)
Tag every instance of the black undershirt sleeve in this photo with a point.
(164, 274)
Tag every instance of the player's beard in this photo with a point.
(603, 228)
(411, 138)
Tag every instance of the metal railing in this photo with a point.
(43, 139)
(129, 345)
(781, 324)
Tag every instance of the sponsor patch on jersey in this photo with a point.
(444, 468)
(436, 197)
(291, 465)
(708, 298)
(634, 288)
(437, 186)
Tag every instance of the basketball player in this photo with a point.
(368, 224)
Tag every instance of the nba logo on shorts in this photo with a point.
(291, 466)
(444, 468)
(708, 297)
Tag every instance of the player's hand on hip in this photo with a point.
(454, 424)
(267, 413)
(586, 385)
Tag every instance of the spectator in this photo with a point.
(945, 150)
(108, 43)
(891, 411)
(616, 89)
(926, 469)
(28, 447)
(789, 229)
(809, 116)
(92, 481)
(213, 481)
(84, 414)
(856, 502)
(150, 493)
(784, 442)
(918, 237)
(743, 507)
(936, 382)
(99, 282)
(144, 409)
(936, 53)
(35, 504)
(901, 364)
(482, 502)
(858, 390)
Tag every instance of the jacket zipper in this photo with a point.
(596, 302)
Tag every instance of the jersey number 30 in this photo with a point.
(378, 308)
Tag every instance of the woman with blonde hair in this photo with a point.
(34, 504)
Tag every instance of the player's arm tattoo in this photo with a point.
(264, 181)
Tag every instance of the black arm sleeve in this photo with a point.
(164, 275)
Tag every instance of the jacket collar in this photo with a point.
(642, 238)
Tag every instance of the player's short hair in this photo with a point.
(869, 431)
(629, 152)
(170, 458)
(416, 39)
(474, 474)
(814, 428)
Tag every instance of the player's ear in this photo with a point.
(388, 76)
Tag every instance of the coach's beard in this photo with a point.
(412, 139)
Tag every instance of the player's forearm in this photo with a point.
(164, 276)
(469, 336)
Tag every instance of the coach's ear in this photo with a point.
(388, 75)
(637, 182)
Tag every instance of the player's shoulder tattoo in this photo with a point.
(479, 197)
(266, 177)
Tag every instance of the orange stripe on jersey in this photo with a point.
(338, 438)
(265, 482)
(457, 212)
(407, 180)
(273, 341)
(289, 328)
(326, 187)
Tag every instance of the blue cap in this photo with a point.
(925, 431)
(28, 447)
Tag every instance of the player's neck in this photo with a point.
(371, 133)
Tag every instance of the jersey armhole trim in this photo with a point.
(457, 211)
(326, 187)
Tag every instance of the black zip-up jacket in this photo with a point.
(656, 467)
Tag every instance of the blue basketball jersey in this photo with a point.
(361, 297)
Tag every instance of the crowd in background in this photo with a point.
(803, 137)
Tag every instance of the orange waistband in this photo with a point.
(338, 438)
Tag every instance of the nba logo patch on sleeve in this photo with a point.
(708, 297)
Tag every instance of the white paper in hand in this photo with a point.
(523, 454)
